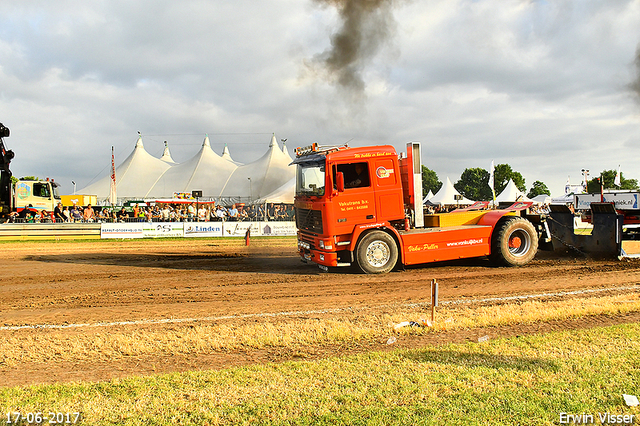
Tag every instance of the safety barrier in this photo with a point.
(49, 231)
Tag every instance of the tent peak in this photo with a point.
(206, 141)
(166, 155)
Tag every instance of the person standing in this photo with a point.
(202, 213)
(66, 214)
(89, 214)
(57, 213)
(76, 214)
(233, 213)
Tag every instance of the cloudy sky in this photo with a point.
(545, 86)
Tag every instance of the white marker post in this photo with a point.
(434, 300)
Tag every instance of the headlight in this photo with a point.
(325, 245)
(304, 245)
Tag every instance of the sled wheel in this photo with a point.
(377, 253)
(514, 242)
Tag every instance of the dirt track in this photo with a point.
(107, 281)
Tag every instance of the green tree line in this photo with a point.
(474, 182)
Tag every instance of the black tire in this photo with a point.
(514, 242)
(377, 253)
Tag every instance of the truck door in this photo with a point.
(356, 205)
(388, 190)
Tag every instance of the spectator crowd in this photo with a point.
(159, 212)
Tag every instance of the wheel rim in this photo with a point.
(378, 254)
(519, 243)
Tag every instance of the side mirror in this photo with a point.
(340, 181)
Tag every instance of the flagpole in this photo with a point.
(112, 193)
(491, 184)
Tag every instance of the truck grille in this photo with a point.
(309, 220)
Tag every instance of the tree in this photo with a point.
(502, 174)
(608, 179)
(538, 188)
(430, 181)
(474, 184)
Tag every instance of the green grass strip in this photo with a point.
(517, 381)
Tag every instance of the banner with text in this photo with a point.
(121, 230)
(203, 229)
(195, 229)
(163, 229)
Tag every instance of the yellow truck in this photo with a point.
(79, 200)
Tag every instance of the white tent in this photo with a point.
(428, 197)
(227, 155)
(166, 155)
(206, 171)
(143, 176)
(283, 194)
(511, 193)
(286, 152)
(542, 199)
(262, 176)
(447, 196)
(137, 174)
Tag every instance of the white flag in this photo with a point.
(617, 180)
(493, 191)
(491, 176)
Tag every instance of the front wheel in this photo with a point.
(514, 242)
(377, 253)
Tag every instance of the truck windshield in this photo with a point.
(310, 178)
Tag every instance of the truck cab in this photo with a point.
(364, 206)
(340, 192)
(40, 194)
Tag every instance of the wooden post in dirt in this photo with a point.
(434, 300)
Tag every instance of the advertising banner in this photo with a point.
(195, 229)
(239, 229)
(203, 229)
(277, 228)
(163, 229)
(622, 201)
(121, 230)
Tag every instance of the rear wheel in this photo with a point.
(514, 242)
(377, 253)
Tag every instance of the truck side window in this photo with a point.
(356, 175)
(41, 190)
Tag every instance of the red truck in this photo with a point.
(363, 206)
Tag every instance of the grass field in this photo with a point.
(516, 381)
(102, 344)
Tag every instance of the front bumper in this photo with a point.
(310, 254)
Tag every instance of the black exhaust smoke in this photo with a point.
(635, 85)
(366, 25)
